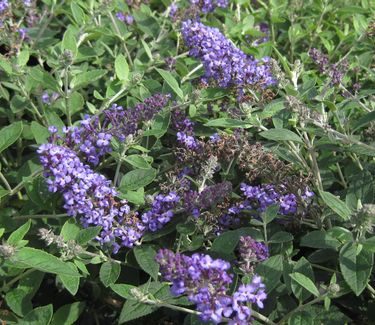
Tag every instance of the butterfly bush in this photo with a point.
(127, 121)
(161, 211)
(251, 252)
(92, 138)
(265, 195)
(4, 4)
(209, 5)
(206, 283)
(223, 62)
(89, 195)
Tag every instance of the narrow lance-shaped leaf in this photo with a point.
(171, 81)
(9, 135)
(305, 282)
(336, 204)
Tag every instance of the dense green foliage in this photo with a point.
(313, 129)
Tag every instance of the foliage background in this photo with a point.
(81, 51)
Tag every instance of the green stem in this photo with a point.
(9, 284)
(8, 187)
(118, 32)
(25, 94)
(262, 318)
(66, 93)
(41, 216)
(22, 184)
(119, 163)
(191, 72)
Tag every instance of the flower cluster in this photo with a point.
(334, 71)
(266, 195)
(4, 4)
(161, 211)
(128, 19)
(185, 128)
(223, 62)
(205, 281)
(90, 195)
(173, 11)
(127, 121)
(209, 5)
(90, 139)
(213, 194)
(48, 99)
(251, 252)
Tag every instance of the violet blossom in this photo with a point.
(223, 62)
(89, 195)
(206, 283)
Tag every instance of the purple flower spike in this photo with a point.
(89, 195)
(206, 282)
(224, 63)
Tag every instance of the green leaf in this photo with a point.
(343, 235)
(147, 50)
(281, 135)
(138, 161)
(364, 120)
(87, 234)
(136, 197)
(160, 125)
(145, 256)
(227, 241)
(338, 206)
(319, 239)
(301, 318)
(304, 267)
(134, 309)
(70, 229)
(137, 178)
(69, 41)
(23, 58)
(38, 316)
(281, 237)
(39, 132)
(228, 123)
(361, 187)
(44, 79)
(369, 244)
(68, 314)
(109, 273)
(5, 65)
(78, 13)
(71, 283)
(75, 102)
(305, 282)
(18, 234)
(10, 134)
(85, 78)
(43, 261)
(122, 68)
(123, 290)
(186, 228)
(171, 81)
(270, 213)
(271, 270)
(356, 265)
(54, 119)
(19, 299)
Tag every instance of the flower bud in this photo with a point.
(334, 288)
